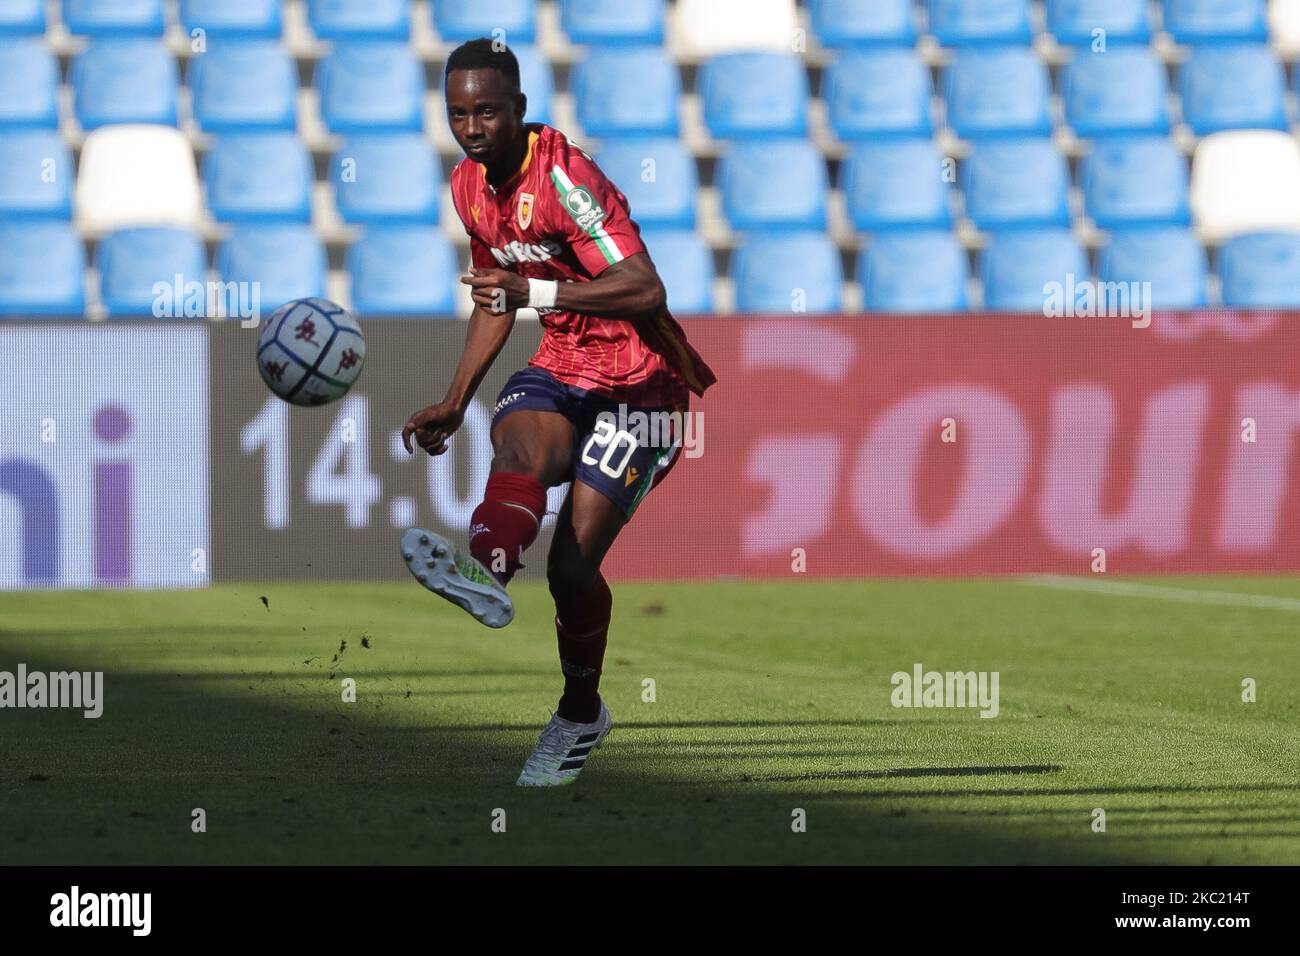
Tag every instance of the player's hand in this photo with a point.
(497, 290)
(432, 427)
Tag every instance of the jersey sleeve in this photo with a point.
(590, 213)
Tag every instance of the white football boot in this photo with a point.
(450, 573)
(563, 749)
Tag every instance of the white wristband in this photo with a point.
(541, 293)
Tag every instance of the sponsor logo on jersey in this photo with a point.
(525, 252)
(586, 212)
(525, 209)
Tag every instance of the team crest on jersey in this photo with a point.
(525, 210)
(586, 212)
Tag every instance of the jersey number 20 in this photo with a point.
(611, 439)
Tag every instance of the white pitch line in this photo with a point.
(1156, 592)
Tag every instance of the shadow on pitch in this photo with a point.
(1201, 813)
(312, 780)
(1079, 791)
(1144, 835)
(625, 727)
(912, 772)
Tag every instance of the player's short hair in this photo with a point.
(484, 54)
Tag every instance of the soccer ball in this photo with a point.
(310, 351)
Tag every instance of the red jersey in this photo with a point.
(559, 218)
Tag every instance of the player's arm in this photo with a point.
(484, 340)
(625, 289)
(432, 426)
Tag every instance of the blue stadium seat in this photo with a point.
(1124, 90)
(114, 17)
(658, 177)
(914, 271)
(896, 185)
(1136, 182)
(232, 18)
(22, 16)
(387, 178)
(787, 272)
(773, 184)
(1072, 22)
(29, 83)
(460, 20)
(42, 269)
(685, 265)
(1016, 184)
(1233, 87)
(258, 176)
(859, 23)
(754, 94)
(243, 85)
(970, 22)
(402, 271)
(286, 259)
(536, 82)
(1261, 271)
(371, 86)
(1170, 258)
(1018, 264)
(1215, 21)
(874, 93)
(131, 261)
(36, 174)
(360, 19)
(621, 92)
(997, 92)
(129, 80)
(598, 21)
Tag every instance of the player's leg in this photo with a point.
(585, 528)
(614, 469)
(532, 448)
(531, 452)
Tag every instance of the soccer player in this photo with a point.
(549, 232)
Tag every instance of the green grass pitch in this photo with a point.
(770, 697)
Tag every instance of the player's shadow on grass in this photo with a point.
(746, 724)
(1199, 813)
(912, 772)
(1199, 835)
(624, 728)
(1083, 791)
